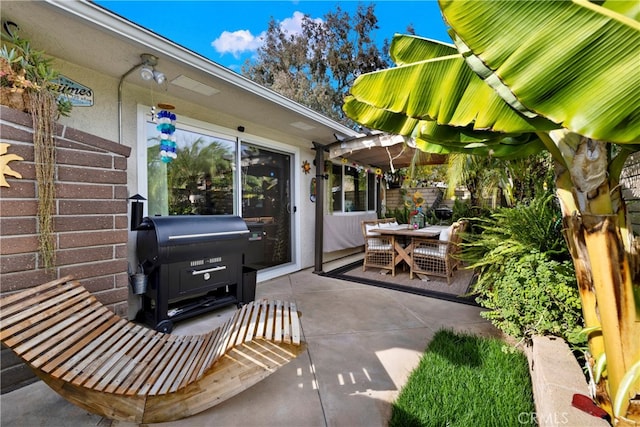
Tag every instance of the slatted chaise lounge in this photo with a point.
(124, 371)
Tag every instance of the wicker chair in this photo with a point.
(379, 250)
(438, 257)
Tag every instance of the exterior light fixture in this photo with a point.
(159, 77)
(146, 72)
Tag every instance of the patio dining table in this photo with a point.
(403, 253)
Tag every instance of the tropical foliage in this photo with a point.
(526, 280)
(520, 78)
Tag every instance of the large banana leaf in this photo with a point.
(407, 49)
(442, 89)
(443, 139)
(575, 63)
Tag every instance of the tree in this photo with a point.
(317, 66)
(512, 181)
(523, 77)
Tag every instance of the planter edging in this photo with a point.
(556, 376)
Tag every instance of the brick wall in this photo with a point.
(90, 220)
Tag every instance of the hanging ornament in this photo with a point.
(167, 127)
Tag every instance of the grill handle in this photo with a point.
(208, 270)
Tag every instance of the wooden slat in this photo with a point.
(268, 326)
(207, 355)
(159, 363)
(133, 357)
(76, 332)
(105, 355)
(109, 371)
(277, 329)
(295, 324)
(66, 361)
(222, 346)
(49, 332)
(236, 329)
(180, 370)
(143, 369)
(191, 364)
(165, 375)
(244, 325)
(27, 295)
(264, 308)
(253, 322)
(28, 316)
(91, 351)
(286, 323)
(19, 311)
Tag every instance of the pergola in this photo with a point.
(376, 149)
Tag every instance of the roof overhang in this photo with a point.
(85, 34)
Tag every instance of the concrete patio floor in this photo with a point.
(363, 342)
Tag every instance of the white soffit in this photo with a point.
(302, 126)
(194, 85)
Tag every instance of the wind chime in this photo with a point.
(167, 127)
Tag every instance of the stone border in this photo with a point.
(556, 376)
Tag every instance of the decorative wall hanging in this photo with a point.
(167, 127)
(5, 169)
(306, 167)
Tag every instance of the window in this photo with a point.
(200, 181)
(352, 189)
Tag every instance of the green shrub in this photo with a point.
(531, 295)
(525, 274)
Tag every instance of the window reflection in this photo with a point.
(198, 182)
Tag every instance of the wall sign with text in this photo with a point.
(79, 95)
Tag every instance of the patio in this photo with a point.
(363, 341)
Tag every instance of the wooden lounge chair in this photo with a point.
(124, 371)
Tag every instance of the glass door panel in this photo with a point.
(266, 205)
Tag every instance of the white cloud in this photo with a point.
(293, 25)
(237, 42)
(241, 41)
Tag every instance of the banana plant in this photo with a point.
(525, 76)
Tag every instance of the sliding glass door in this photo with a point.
(266, 205)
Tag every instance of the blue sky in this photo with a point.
(228, 32)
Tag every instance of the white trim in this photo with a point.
(141, 150)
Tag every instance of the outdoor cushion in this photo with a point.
(445, 234)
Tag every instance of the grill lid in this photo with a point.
(165, 239)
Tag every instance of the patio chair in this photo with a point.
(124, 371)
(379, 251)
(438, 257)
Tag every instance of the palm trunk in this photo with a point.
(591, 214)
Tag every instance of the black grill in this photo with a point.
(194, 264)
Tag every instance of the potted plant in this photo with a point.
(24, 71)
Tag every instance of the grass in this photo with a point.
(464, 380)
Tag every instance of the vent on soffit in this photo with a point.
(302, 125)
(194, 85)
